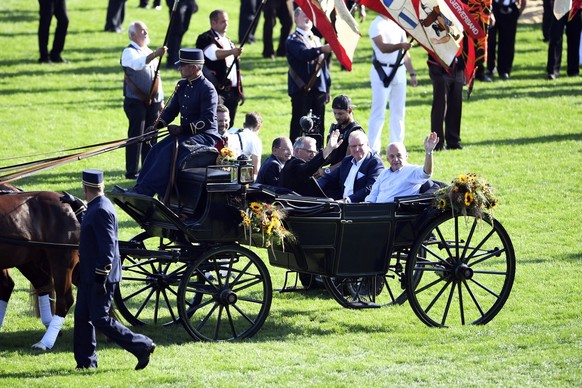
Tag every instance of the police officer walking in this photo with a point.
(99, 275)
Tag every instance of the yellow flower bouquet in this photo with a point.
(263, 224)
(226, 156)
(468, 194)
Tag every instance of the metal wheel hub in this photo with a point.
(463, 272)
(227, 297)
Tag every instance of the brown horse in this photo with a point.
(38, 236)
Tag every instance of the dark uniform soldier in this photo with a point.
(99, 275)
(195, 100)
(305, 55)
(221, 55)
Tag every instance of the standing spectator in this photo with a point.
(115, 16)
(573, 29)
(222, 56)
(403, 179)
(281, 151)
(248, 10)
(388, 79)
(179, 27)
(99, 276)
(345, 124)
(297, 175)
(139, 64)
(306, 58)
(501, 36)
(447, 102)
(223, 123)
(195, 103)
(48, 9)
(273, 10)
(246, 141)
(352, 181)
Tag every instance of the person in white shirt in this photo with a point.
(246, 141)
(141, 107)
(403, 179)
(388, 79)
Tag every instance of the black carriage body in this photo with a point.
(204, 208)
(334, 239)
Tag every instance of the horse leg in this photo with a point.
(6, 287)
(63, 286)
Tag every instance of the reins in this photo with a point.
(38, 244)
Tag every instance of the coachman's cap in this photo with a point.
(342, 102)
(190, 56)
(93, 178)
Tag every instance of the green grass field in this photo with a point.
(523, 135)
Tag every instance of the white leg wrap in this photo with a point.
(3, 306)
(44, 305)
(50, 337)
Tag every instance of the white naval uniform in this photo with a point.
(395, 92)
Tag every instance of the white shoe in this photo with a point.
(40, 346)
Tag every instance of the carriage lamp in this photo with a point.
(245, 170)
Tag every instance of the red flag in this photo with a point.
(430, 22)
(471, 24)
(481, 11)
(336, 24)
(576, 5)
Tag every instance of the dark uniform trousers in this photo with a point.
(573, 29)
(48, 8)
(501, 38)
(140, 117)
(447, 103)
(92, 312)
(283, 10)
(115, 15)
(179, 27)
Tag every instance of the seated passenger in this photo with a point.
(402, 179)
(281, 151)
(353, 179)
(246, 141)
(194, 101)
(297, 175)
(223, 123)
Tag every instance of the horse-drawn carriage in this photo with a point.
(188, 264)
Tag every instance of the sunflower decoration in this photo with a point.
(468, 194)
(263, 224)
(226, 156)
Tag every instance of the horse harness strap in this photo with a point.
(39, 244)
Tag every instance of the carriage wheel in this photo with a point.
(370, 291)
(225, 295)
(149, 287)
(467, 267)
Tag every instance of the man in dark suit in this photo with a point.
(353, 180)
(271, 169)
(99, 275)
(306, 58)
(297, 175)
(222, 56)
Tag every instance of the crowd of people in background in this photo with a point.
(308, 76)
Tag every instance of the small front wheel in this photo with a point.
(467, 269)
(225, 295)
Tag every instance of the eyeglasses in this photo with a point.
(311, 152)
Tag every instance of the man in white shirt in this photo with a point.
(246, 141)
(388, 79)
(139, 63)
(403, 179)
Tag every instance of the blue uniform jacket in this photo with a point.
(98, 246)
(195, 101)
(333, 183)
(303, 60)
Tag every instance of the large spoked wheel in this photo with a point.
(370, 291)
(467, 267)
(151, 275)
(225, 295)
